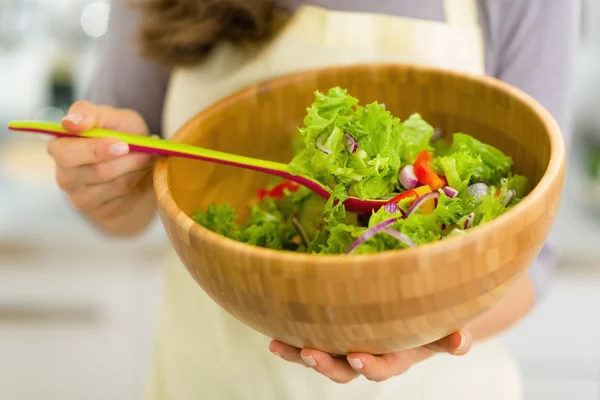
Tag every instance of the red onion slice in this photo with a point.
(319, 143)
(370, 233)
(415, 206)
(301, 231)
(452, 193)
(351, 143)
(469, 220)
(510, 195)
(407, 177)
(478, 190)
(400, 236)
(392, 208)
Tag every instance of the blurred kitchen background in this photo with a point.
(77, 309)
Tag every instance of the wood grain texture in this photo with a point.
(375, 303)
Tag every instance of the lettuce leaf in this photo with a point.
(268, 225)
(384, 144)
(415, 138)
(489, 208)
(494, 163)
(458, 168)
(448, 210)
(219, 218)
(518, 183)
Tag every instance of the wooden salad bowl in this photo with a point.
(376, 303)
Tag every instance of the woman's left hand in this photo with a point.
(374, 368)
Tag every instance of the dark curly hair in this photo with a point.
(182, 32)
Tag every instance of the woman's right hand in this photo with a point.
(102, 179)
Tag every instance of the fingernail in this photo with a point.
(74, 118)
(310, 361)
(463, 342)
(276, 353)
(119, 149)
(355, 363)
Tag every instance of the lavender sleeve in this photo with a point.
(532, 45)
(124, 79)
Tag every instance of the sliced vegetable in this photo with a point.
(404, 195)
(301, 231)
(278, 191)
(310, 215)
(425, 172)
(320, 143)
(478, 190)
(392, 208)
(452, 193)
(469, 220)
(400, 236)
(427, 207)
(407, 177)
(370, 233)
(509, 196)
(518, 183)
(423, 190)
(351, 143)
(420, 201)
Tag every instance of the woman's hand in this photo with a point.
(102, 179)
(374, 368)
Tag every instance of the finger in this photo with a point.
(336, 369)
(122, 205)
(458, 343)
(83, 116)
(381, 368)
(75, 152)
(70, 178)
(89, 198)
(288, 353)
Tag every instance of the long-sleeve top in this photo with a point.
(530, 44)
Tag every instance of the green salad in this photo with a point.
(433, 188)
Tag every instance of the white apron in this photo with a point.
(204, 353)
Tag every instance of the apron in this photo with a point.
(204, 353)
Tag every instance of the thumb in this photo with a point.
(83, 116)
(458, 343)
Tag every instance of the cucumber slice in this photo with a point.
(312, 216)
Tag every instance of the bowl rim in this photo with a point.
(556, 166)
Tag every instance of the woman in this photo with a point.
(188, 56)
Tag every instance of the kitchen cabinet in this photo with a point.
(77, 327)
